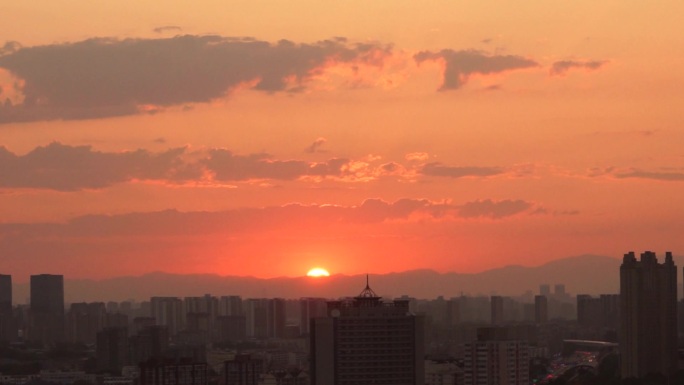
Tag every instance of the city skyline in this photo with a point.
(266, 139)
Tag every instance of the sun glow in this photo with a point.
(318, 272)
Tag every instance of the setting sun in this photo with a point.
(318, 272)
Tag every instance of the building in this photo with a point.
(648, 305)
(47, 308)
(230, 305)
(8, 330)
(169, 312)
(242, 370)
(158, 372)
(541, 309)
(112, 350)
(310, 308)
(497, 357)
(598, 313)
(84, 321)
(152, 342)
(497, 310)
(366, 341)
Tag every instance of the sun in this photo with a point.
(318, 272)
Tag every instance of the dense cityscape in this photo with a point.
(549, 337)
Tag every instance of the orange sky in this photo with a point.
(265, 138)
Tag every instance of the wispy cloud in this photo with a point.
(460, 65)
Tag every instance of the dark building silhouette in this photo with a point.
(8, 329)
(598, 313)
(152, 342)
(112, 350)
(242, 370)
(648, 305)
(169, 312)
(497, 303)
(367, 341)
(541, 309)
(276, 318)
(310, 308)
(47, 308)
(84, 320)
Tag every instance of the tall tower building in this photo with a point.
(47, 308)
(497, 310)
(7, 326)
(541, 309)
(367, 341)
(648, 307)
(168, 311)
(310, 308)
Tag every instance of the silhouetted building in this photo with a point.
(47, 308)
(648, 297)
(8, 328)
(158, 372)
(497, 310)
(545, 290)
(112, 350)
(366, 341)
(276, 318)
(541, 309)
(84, 320)
(152, 342)
(256, 316)
(168, 311)
(497, 357)
(310, 308)
(230, 305)
(598, 313)
(243, 370)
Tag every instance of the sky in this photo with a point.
(264, 138)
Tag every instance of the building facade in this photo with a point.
(47, 308)
(366, 341)
(648, 306)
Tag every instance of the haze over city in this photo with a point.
(266, 139)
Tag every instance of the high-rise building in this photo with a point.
(8, 331)
(230, 305)
(599, 313)
(112, 350)
(367, 341)
(497, 310)
(541, 309)
(497, 357)
(152, 342)
(5, 293)
(648, 306)
(84, 320)
(168, 311)
(47, 308)
(545, 290)
(256, 316)
(276, 318)
(310, 308)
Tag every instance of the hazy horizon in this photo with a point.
(265, 139)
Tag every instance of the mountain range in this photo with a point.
(586, 274)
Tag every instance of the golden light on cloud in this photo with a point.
(318, 272)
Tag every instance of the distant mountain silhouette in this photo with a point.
(586, 274)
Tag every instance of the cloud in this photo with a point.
(493, 209)
(105, 77)
(67, 168)
(668, 176)
(460, 65)
(437, 169)
(316, 146)
(168, 28)
(560, 68)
